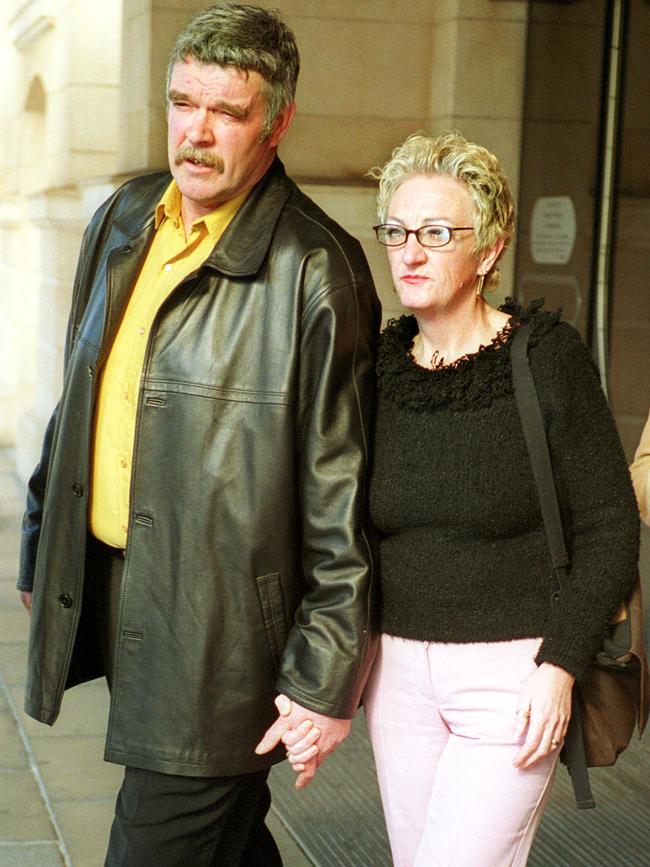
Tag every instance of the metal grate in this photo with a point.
(337, 821)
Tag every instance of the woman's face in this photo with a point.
(433, 278)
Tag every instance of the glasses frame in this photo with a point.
(416, 232)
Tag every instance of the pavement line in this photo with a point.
(5, 844)
(37, 776)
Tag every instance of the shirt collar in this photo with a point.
(215, 222)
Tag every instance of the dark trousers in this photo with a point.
(168, 821)
(163, 820)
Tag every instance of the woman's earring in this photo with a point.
(479, 288)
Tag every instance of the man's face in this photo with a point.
(216, 116)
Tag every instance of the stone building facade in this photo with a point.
(86, 110)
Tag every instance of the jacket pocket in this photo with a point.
(272, 602)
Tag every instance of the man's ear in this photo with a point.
(282, 124)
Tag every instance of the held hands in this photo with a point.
(543, 713)
(308, 736)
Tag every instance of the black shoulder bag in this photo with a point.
(614, 696)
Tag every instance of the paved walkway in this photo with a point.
(56, 792)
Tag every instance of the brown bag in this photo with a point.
(614, 697)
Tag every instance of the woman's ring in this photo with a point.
(555, 744)
(525, 713)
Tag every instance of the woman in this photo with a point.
(470, 696)
(640, 471)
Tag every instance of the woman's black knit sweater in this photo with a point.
(463, 550)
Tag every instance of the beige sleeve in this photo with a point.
(640, 471)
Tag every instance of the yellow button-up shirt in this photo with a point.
(171, 257)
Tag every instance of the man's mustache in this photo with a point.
(196, 155)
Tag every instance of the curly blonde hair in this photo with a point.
(474, 166)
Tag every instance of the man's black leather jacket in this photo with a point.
(248, 565)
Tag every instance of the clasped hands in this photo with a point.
(309, 737)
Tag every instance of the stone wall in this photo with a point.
(89, 111)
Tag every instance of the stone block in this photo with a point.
(342, 148)
(136, 67)
(23, 816)
(14, 623)
(411, 11)
(84, 713)
(357, 76)
(30, 854)
(86, 826)
(94, 121)
(13, 666)
(442, 72)
(504, 10)
(95, 41)
(12, 752)
(489, 70)
(73, 769)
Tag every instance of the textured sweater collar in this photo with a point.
(472, 381)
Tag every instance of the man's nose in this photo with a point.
(200, 130)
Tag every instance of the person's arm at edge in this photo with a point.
(640, 472)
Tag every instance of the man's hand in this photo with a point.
(26, 599)
(311, 737)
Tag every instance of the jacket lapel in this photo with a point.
(246, 242)
(240, 252)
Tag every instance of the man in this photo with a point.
(195, 528)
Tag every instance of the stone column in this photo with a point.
(53, 225)
(62, 68)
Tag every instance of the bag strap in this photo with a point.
(532, 422)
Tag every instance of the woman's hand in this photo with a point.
(543, 713)
(308, 736)
(301, 744)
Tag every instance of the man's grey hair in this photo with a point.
(246, 37)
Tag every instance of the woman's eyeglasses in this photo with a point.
(391, 235)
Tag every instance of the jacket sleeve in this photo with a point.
(32, 518)
(329, 648)
(599, 512)
(640, 471)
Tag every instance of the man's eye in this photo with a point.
(231, 116)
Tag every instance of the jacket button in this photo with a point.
(77, 489)
(65, 600)
(127, 249)
(91, 372)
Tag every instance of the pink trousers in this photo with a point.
(441, 719)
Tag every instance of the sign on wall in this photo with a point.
(553, 230)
